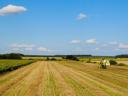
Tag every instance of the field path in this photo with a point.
(64, 78)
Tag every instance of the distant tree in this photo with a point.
(15, 56)
(71, 57)
(122, 56)
(47, 58)
(113, 62)
(53, 59)
(11, 56)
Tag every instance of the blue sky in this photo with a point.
(97, 27)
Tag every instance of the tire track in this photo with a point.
(49, 88)
(61, 84)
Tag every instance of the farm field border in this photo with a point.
(9, 65)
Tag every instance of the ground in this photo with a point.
(65, 78)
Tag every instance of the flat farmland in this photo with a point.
(124, 62)
(65, 78)
(8, 65)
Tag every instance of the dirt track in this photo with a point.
(49, 78)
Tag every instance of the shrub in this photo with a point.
(89, 60)
(53, 59)
(113, 62)
(47, 58)
(121, 64)
(71, 57)
(94, 62)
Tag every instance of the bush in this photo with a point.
(89, 60)
(113, 62)
(71, 57)
(121, 64)
(53, 59)
(47, 59)
(94, 62)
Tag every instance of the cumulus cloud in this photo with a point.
(123, 46)
(82, 16)
(97, 49)
(27, 47)
(91, 41)
(75, 41)
(43, 49)
(11, 9)
(23, 45)
(117, 49)
(77, 49)
(104, 45)
(16, 49)
(113, 43)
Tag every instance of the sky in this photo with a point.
(50, 27)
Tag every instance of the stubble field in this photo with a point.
(65, 78)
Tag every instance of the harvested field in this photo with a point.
(124, 62)
(65, 78)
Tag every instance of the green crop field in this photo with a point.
(7, 65)
(65, 78)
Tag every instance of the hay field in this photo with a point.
(65, 78)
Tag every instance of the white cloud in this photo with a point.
(29, 49)
(11, 9)
(113, 43)
(97, 49)
(16, 49)
(123, 46)
(22, 45)
(117, 49)
(80, 50)
(57, 50)
(43, 49)
(75, 41)
(82, 16)
(91, 41)
(104, 45)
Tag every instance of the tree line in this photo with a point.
(122, 56)
(11, 56)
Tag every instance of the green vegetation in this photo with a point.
(113, 62)
(71, 57)
(11, 56)
(89, 60)
(121, 64)
(122, 56)
(8, 65)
